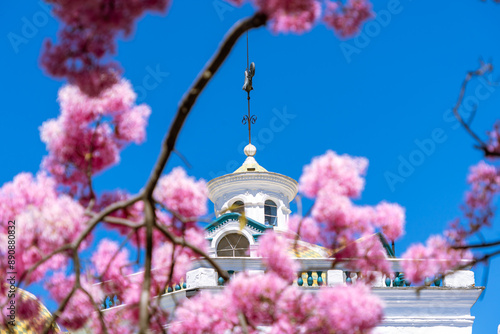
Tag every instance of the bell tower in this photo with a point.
(262, 197)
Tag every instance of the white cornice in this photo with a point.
(268, 181)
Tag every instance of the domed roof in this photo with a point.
(33, 325)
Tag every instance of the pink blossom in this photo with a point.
(309, 228)
(349, 309)
(339, 214)
(196, 237)
(80, 308)
(436, 258)
(483, 172)
(90, 132)
(162, 264)
(274, 252)
(86, 40)
(391, 218)
(368, 257)
(290, 16)
(256, 295)
(295, 312)
(44, 219)
(134, 212)
(346, 19)
(236, 2)
(205, 313)
(182, 194)
(112, 265)
(417, 265)
(342, 173)
(494, 139)
(266, 299)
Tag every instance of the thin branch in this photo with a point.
(122, 245)
(96, 307)
(189, 99)
(484, 258)
(483, 69)
(481, 245)
(243, 322)
(89, 156)
(59, 310)
(42, 261)
(119, 221)
(183, 158)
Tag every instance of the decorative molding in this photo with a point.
(260, 181)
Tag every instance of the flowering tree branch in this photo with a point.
(482, 70)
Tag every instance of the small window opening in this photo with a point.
(270, 212)
(238, 207)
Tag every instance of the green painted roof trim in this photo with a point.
(236, 216)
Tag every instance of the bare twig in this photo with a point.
(482, 70)
(481, 245)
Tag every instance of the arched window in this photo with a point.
(270, 212)
(238, 207)
(233, 245)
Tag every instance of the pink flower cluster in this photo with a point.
(112, 268)
(299, 16)
(295, 16)
(429, 261)
(274, 252)
(182, 194)
(90, 132)
(266, 299)
(494, 139)
(343, 174)
(334, 180)
(80, 308)
(44, 221)
(347, 19)
(367, 257)
(87, 40)
(305, 227)
(336, 222)
(479, 208)
(484, 180)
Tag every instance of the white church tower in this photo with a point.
(262, 197)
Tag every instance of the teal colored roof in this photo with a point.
(223, 219)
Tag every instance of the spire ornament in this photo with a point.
(248, 87)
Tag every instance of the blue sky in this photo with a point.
(376, 96)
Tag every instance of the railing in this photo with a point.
(311, 279)
(112, 299)
(315, 273)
